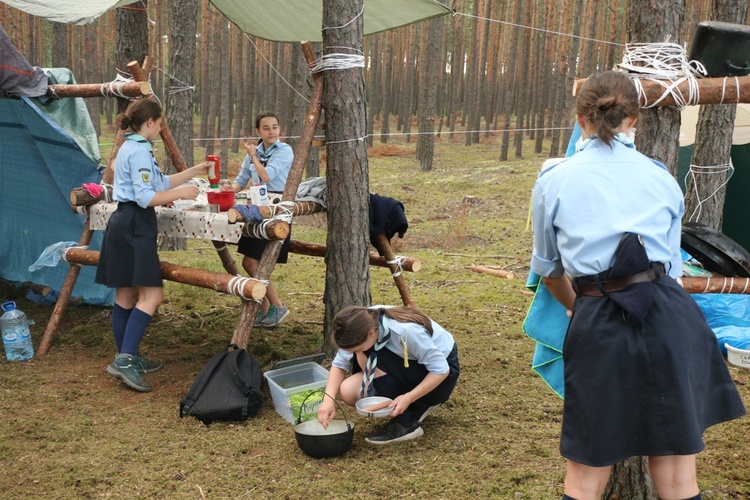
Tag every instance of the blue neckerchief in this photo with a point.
(264, 156)
(372, 360)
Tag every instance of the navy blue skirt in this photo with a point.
(648, 389)
(129, 255)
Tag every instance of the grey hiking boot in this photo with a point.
(260, 316)
(275, 316)
(125, 368)
(147, 365)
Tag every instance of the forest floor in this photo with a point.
(68, 429)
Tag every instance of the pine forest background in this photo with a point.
(493, 72)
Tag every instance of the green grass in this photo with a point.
(67, 429)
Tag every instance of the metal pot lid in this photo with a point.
(715, 250)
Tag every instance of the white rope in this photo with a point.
(348, 140)
(708, 281)
(273, 68)
(337, 61)
(537, 29)
(398, 261)
(347, 24)
(115, 87)
(109, 191)
(666, 65)
(747, 281)
(705, 170)
(390, 134)
(175, 88)
(724, 89)
(64, 255)
(236, 286)
(286, 211)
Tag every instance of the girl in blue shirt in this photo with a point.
(396, 352)
(267, 163)
(128, 260)
(643, 372)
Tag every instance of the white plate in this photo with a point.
(367, 402)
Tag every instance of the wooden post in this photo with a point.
(717, 284)
(268, 211)
(129, 89)
(727, 90)
(224, 283)
(319, 250)
(65, 293)
(403, 288)
(271, 253)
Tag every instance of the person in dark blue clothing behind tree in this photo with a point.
(128, 260)
(643, 372)
(395, 352)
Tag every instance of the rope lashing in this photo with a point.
(695, 170)
(666, 65)
(398, 261)
(236, 286)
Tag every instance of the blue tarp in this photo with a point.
(39, 165)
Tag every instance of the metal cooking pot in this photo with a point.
(318, 442)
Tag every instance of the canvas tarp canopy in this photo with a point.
(277, 20)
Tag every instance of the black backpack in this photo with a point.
(229, 387)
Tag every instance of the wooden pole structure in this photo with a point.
(728, 90)
(268, 211)
(274, 229)
(65, 293)
(111, 89)
(80, 197)
(224, 283)
(717, 284)
(319, 250)
(271, 253)
(398, 277)
(174, 154)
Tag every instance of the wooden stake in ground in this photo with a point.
(319, 250)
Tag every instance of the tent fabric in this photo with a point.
(67, 11)
(39, 165)
(689, 122)
(276, 20)
(17, 76)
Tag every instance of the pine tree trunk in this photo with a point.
(387, 86)
(205, 84)
(347, 260)
(59, 45)
(225, 125)
(429, 85)
(713, 143)
(132, 40)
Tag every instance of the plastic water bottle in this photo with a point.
(16, 335)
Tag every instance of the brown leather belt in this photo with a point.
(595, 289)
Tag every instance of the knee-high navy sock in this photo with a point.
(137, 325)
(120, 317)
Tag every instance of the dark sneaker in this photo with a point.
(125, 368)
(147, 365)
(260, 316)
(275, 316)
(425, 413)
(393, 432)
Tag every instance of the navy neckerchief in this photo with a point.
(372, 358)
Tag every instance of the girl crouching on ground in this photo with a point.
(395, 352)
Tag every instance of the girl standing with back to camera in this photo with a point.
(128, 260)
(396, 352)
(643, 372)
(267, 163)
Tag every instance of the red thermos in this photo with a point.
(214, 173)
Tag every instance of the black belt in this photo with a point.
(598, 289)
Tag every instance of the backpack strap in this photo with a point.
(201, 381)
(243, 384)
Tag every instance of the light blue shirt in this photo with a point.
(582, 206)
(279, 159)
(137, 175)
(430, 351)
